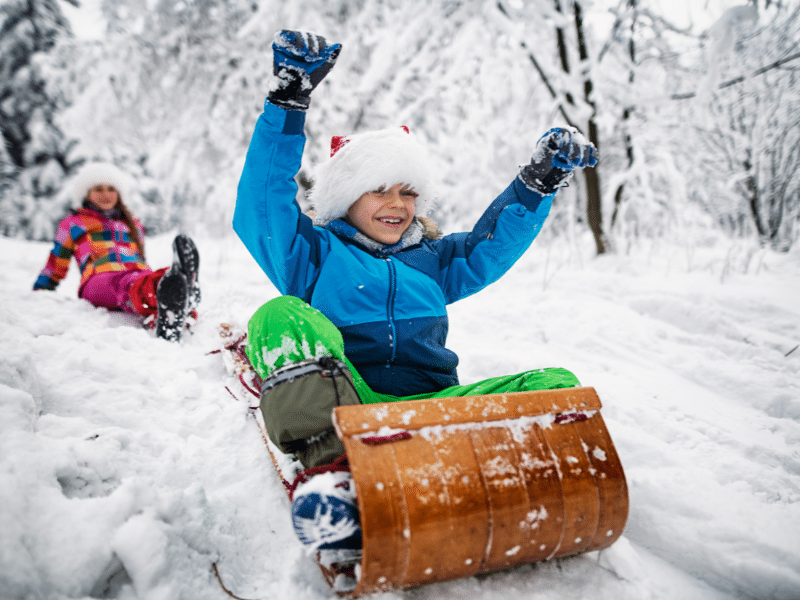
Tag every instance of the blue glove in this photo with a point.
(300, 61)
(558, 153)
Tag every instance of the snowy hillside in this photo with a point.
(126, 468)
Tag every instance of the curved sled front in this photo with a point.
(452, 487)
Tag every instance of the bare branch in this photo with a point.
(541, 72)
(742, 78)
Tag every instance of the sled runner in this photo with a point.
(453, 487)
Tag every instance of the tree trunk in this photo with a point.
(563, 53)
(751, 191)
(626, 114)
(594, 200)
(618, 195)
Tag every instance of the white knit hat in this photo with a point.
(92, 174)
(364, 162)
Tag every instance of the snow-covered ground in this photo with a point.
(126, 468)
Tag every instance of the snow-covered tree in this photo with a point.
(172, 91)
(560, 58)
(749, 129)
(175, 94)
(639, 62)
(158, 96)
(34, 144)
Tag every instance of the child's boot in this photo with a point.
(172, 295)
(325, 513)
(187, 258)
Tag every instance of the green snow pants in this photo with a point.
(296, 345)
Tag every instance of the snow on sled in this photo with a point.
(454, 487)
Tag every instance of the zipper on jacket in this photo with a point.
(390, 306)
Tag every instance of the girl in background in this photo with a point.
(107, 242)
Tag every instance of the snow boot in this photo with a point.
(172, 295)
(186, 256)
(325, 513)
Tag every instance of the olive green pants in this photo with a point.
(288, 337)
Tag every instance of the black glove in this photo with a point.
(300, 61)
(558, 153)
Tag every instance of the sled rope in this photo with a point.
(247, 387)
(230, 346)
(236, 347)
(225, 589)
(340, 465)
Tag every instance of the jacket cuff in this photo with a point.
(527, 197)
(280, 120)
(43, 282)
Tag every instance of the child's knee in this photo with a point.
(297, 402)
(269, 310)
(287, 329)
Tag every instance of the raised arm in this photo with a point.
(267, 217)
(471, 261)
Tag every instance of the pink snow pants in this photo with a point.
(112, 290)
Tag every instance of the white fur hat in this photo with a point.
(92, 174)
(364, 162)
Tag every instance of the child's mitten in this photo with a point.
(300, 61)
(558, 153)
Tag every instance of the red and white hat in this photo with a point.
(364, 162)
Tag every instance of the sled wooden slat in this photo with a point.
(543, 522)
(504, 485)
(468, 534)
(454, 487)
(382, 507)
(429, 515)
(581, 502)
(609, 478)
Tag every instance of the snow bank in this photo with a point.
(127, 470)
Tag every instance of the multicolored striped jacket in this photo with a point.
(100, 244)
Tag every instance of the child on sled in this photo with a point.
(107, 242)
(365, 285)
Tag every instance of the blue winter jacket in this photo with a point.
(389, 302)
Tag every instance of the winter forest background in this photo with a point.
(127, 468)
(698, 124)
